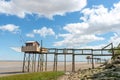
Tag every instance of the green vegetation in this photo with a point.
(34, 76)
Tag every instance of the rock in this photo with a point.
(108, 71)
(109, 66)
(67, 73)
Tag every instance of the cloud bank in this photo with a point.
(95, 22)
(46, 8)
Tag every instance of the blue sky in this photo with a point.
(59, 23)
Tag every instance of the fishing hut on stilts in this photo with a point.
(34, 57)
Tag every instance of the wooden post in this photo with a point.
(23, 69)
(54, 62)
(38, 67)
(41, 62)
(73, 61)
(32, 62)
(56, 51)
(35, 62)
(65, 62)
(46, 63)
(92, 61)
(29, 63)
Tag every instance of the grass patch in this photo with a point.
(34, 76)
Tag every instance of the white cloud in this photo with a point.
(101, 20)
(76, 40)
(9, 27)
(47, 8)
(44, 31)
(115, 39)
(17, 49)
(96, 21)
(31, 35)
(94, 47)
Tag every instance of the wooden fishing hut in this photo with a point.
(33, 56)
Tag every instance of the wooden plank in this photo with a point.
(102, 54)
(82, 54)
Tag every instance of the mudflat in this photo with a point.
(15, 67)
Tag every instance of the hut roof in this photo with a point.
(32, 42)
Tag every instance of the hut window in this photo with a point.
(30, 44)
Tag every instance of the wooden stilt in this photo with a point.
(54, 63)
(73, 62)
(38, 67)
(65, 62)
(41, 62)
(32, 62)
(46, 63)
(23, 68)
(35, 62)
(29, 62)
(92, 61)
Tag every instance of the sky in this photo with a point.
(58, 23)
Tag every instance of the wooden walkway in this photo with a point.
(34, 60)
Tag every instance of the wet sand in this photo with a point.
(15, 67)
